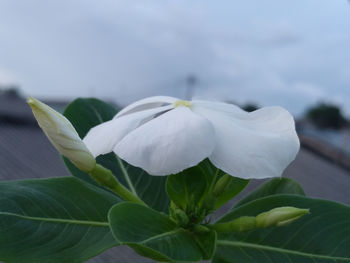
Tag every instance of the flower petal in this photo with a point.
(259, 144)
(170, 143)
(102, 138)
(145, 104)
(219, 106)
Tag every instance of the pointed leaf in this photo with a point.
(154, 235)
(87, 113)
(53, 220)
(321, 236)
(282, 185)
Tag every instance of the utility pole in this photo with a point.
(191, 82)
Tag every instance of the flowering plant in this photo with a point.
(151, 176)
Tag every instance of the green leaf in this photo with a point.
(190, 187)
(234, 188)
(321, 236)
(275, 186)
(154, 235)
(53, 220)
(87, 113)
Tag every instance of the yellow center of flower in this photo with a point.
(182, 103)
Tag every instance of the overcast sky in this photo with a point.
(273, 52)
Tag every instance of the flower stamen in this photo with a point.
(182, 103)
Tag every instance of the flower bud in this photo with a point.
(280, 216)
(62, 135)
(222, 184)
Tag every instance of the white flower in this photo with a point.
(164, 135)
(62, 135)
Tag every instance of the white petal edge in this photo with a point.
(219, 106)
(145, 104)
(102, 138)
(255, 145)
(170, 143)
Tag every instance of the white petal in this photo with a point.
(257, 145)
(102, 138)
(219, 106)
(169, 143)
(145, 104)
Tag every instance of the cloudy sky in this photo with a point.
(273, 52)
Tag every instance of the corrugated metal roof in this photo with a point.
(13, 109)
(25, 152)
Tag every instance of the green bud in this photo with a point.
(222, 184)
(280, 216)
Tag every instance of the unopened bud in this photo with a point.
(222, 184)
(62, 135)
(279, 216)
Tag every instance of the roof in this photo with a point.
(13, 109)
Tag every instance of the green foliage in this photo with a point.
(192, 190)
(58, 220)
(154, 235)
(233, 189)
(87, 113)
(186, 189)
(274, 186)
(321, 236)
(326, 115)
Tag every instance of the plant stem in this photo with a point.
(104, 177)
(241, 224)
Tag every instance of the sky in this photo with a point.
(271, 52)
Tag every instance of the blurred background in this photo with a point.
(288, 53)
(252, 53)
